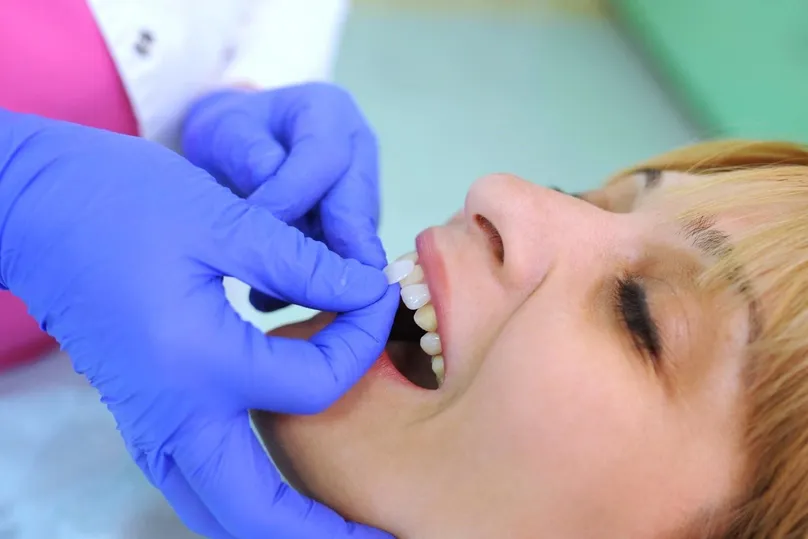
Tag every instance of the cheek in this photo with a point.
(563, 394)
(572, 411)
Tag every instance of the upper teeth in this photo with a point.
(425, 318)
(398, 270)
(415, 295)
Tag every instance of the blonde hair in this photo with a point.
(765, 185)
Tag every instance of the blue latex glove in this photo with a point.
(118, 246)
(303, 152)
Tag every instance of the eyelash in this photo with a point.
(632, 309)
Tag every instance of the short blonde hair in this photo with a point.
(766, 184)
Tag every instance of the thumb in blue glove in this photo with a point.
(118, 247)
(305, 153)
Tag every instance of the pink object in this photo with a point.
(56, 64)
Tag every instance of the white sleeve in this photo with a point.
(286, 42)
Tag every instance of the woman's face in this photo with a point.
(591, 389)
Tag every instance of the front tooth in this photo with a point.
(439, 369)
(415, 296)
(430, 343)
(415, 276)
(425, 318)
(398, 270)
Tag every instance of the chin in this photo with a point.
(353, 457)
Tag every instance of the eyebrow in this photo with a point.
(714, 243)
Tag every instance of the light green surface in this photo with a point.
(557, 101)
(741, 65)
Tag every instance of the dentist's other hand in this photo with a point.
(305, 153)
(118, 247)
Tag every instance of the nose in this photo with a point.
(537, 226)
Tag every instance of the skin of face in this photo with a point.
(555, 420)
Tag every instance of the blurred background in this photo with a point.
(550, 90)
(560, 92)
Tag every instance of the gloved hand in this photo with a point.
(303, 152)
(118, 246)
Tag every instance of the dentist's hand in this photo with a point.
(305, 153)
(118, 247)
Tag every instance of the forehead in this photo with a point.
(652, 193)
(670, 200)
(625, 193)
(669, 203)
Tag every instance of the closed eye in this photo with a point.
(632, 308)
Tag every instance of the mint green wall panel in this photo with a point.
(740, 66)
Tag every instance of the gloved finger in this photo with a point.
(315, 162)
(350, 211)
(295, 376)
(189, 508)
(309, 225)
(234, 478)
(243, 153)
(258, 249)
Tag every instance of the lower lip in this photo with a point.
(384, 368)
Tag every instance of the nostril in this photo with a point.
(494, 239)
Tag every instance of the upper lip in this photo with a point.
(430, 259)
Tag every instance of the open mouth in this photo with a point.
(414, 345)
(406, 354)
